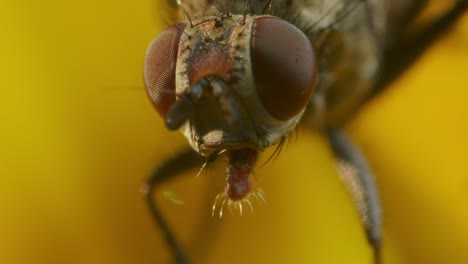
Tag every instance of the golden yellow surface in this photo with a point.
(78, 136)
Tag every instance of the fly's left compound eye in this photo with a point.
(160, 68)
(283, 65)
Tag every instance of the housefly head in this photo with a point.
(231, 82)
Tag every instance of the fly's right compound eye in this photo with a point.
(160, 68)
(284, 67)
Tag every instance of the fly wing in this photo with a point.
(405, 46)
(390, 17)
(399, 14)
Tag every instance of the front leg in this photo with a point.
(359, 180)
(171, 168)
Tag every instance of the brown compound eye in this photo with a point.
(160, 68)
(284, 67)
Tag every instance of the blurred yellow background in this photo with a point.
(78, 136)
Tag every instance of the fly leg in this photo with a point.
(172, 167)
(359, 179)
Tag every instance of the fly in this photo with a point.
(236, 77)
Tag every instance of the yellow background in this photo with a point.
(78, 137)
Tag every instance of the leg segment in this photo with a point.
(359, 179)
(172, 167)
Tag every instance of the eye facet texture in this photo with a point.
(160, 68)
(284, 66)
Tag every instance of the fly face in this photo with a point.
(231, 82)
